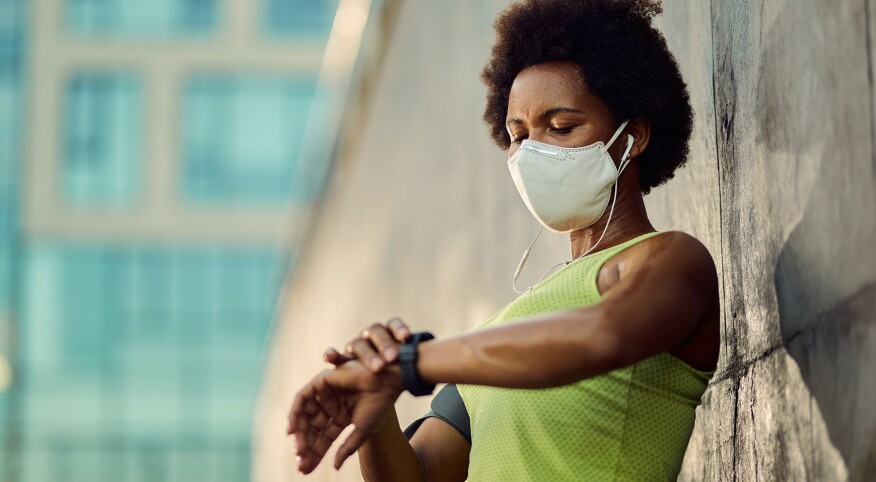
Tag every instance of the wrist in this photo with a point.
(393, 378)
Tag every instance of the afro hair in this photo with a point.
(623, 59)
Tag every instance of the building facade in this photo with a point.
(152, 188)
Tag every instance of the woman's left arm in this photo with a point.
(653, 307)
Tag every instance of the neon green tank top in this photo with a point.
(629, 424)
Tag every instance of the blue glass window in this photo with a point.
(10, 103)
(11, 36)
(7, 271)
(101, 138)
(311, 18)
(12, 21)
(242, 136)
(154, 348)
(139, 18)
(10, 116)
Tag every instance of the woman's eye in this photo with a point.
(562, 130)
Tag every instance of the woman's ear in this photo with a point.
(640, 129)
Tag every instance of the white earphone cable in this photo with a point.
(623, 164)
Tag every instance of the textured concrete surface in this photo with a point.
(793, 116)
(422, 221)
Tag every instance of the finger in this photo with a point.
(307, 460)
(324, 427)
(311, 407)
(333, 404)
(335, 357)
(364, 351)
(307, 440)
(384, 341)
(399, 329)
(326, 438)
(318, 424)
(304, 405)
(350, 446)
(327, 398)
(298, 406)
(308, 427)
(310, 460)
(301, 450)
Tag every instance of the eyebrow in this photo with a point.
(545, 114)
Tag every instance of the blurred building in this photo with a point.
(154, 180)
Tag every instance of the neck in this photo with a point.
(630, 219)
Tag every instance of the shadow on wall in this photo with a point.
(831, 346)
(825, 272)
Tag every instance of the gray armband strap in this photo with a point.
(449, 407)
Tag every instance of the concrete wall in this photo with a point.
(422, 221)
(794, 121)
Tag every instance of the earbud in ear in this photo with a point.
(630, 141)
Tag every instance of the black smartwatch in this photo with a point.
(407, 360)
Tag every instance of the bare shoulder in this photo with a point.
(674, 248)
(672, 254)
(671, 257)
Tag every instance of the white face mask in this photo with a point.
(567, 188)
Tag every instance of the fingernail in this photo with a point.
(376, 363)
(389, 354)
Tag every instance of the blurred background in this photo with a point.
(197, 197)
(154, 184)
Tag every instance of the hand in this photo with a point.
(348, 395)
(375, 348)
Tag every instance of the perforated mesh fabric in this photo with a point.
(630, 424)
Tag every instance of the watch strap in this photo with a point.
(407, 359)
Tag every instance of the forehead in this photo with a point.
(545, 86)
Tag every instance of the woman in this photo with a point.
(594, 373)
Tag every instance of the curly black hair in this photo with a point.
(623, 59)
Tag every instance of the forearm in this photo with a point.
(387, 456)
(550, 351)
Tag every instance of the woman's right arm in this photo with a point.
(436, 452)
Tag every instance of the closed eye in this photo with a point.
(562, 130)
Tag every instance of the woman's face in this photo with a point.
(550, 103)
